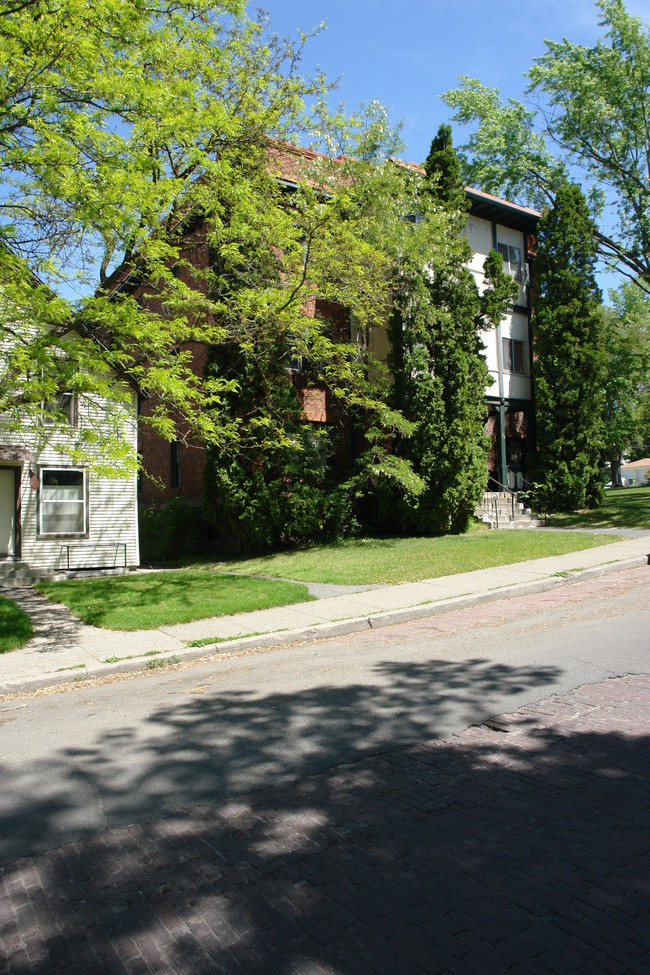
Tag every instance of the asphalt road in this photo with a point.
(111, 755)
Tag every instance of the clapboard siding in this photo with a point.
(112, 515)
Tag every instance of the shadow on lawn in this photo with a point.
(153, 599)
(15, 626)
(621, 508)
(480, 854)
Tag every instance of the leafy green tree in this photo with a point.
(627, 343)
(641, 448)
(440, 373)
(131, 133)
(442, 165)
(569, 365)
(92, 172)
(592, 112)
(324, 243)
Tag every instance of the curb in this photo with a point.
(323, 631)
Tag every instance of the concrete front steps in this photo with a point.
(500, 509)
(15, 573)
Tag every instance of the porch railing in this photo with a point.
(104, 563)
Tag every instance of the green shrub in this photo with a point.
(290, 499)
(176, 531)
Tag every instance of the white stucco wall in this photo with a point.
(515, 323)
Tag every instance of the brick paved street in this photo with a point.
(518, 847)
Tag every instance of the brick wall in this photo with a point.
(156, 452)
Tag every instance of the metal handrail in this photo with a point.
(486, 512)
(540, 497)
(119, 545)
(513, 494)
(529, 487)
(67, 549)
(504, 486)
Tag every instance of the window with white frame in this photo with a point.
(512, 263)
(63, 502)
(294, 360)
(63, 408)
(514, 359)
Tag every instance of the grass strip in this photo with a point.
(146, 601)
(132, 656)
(207, 640)
(159, 664)
(15, 626)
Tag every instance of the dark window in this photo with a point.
(513, 356)
(175, 476)
(514, 452)
(293, 363)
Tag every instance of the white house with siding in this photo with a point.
(497, 224)
(56, 515)
(636, 473)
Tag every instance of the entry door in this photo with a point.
(7, 511)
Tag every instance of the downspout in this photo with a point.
(503, 462)
(531, 445)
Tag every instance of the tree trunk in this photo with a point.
(615, 465)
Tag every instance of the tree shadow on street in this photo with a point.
(215, 745)
(515, 846)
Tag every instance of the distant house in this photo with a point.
(636, 472)
(57, 515)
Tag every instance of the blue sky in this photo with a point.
(406, 53)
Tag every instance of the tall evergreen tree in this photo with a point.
(569, 364)
(627, 325)
(440, 373)
(443, 166)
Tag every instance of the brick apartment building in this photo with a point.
(176, 469)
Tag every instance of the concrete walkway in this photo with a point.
(64, 649)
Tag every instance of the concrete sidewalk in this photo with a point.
(64, 649)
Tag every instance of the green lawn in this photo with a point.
(152, 599)
(15, 626)
(622, 508)
(148, 600)
(392, 560)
